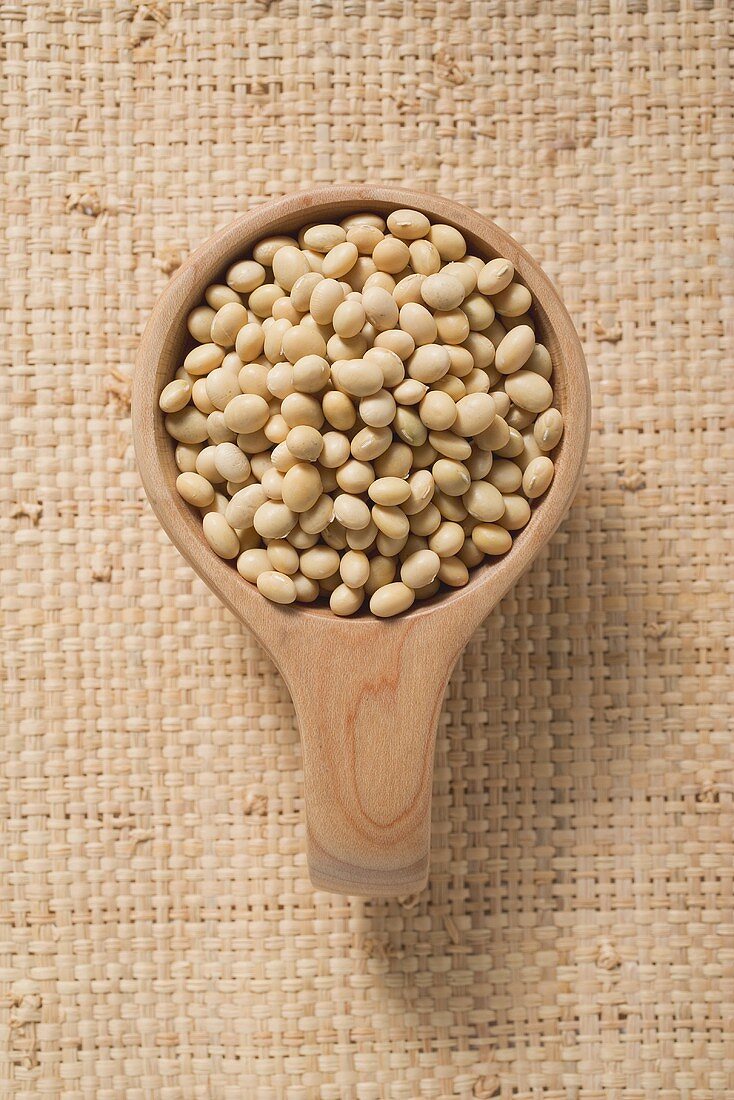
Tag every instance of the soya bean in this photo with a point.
(277, 587)
(396, 461)
(450, 507)
(452, 326)
(451, 477)
(400, 343)
(370, 443)
(474, 414)
(185, 456)
(437, 410)
(429, 363)
(382, 572)
(243, 506)
(283, 556)
(501, 402)
(339, 260)
(304, 442)
(479, 463)
(391, 255)
(514, 350)
(490, 538)
(519, 418)
(496, 436)
(351, 511)
(362, 540)
(345, 600)
(272, 482)
(453, 572)
(512, 301)
(187, 426)
(461, 360)
(465, 273)
(217, 295)
(537, 477)
(227, 323)
(447, 540)
(418, 322)
(380, 308)
(231, 463)
(301, 539)
(302, 340)
(175, 396)
(449, 242)
(393, 522)
(355, 476)
(391, 599)
(301, 487)
(199, 323)
(203, 359)
(222, 385)
(408, 290)
(274, 333)
(246, 413)
(442, 292)
(408, 225)
(358, 275)
(249, 341)
(319, 562)
(251, 563)
(318, 517)
(195, 489)
(323, 237)
(245, 276)
(539, 361)
(218, 430)
(484, 501)
(505, 475)
(310, 373)
(339, 410)
(274, 519)
(513, 447)
(325, 297)
(365, 237)
(495, 276)
(360, 377)
(481, 349)
(420, 569)
(349, 317)
(355, 568)
(450, 445)
(424, 258)
(410, 392)
(479, 311)
(220, 536)
(301, 408)
(548, 429)
(426, 521)
(200, 397)
(516, 513)
(454, 387)
(529, 390)
(389, 363)
(389, 491)
(306, 590)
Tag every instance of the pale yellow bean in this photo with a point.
(263, 298)
(450, 507)
(548, 429)
(310, 373)
(390, 364)
(354, 568)
(360, 377)
(200, 397)
(421, 490)
(380, 308)
(418, 322)
(231, 463)
(318, 517)
(452, 326)
(496, 436)
(425, 258)
(451, 477)
(274, 333)
(409, 427)
(276, 587)
(437, 410)
(272, 482)
(218, 430)
(349, 317)
(530, 450)
(362, 540)
(465, 273)
(345, 600)
(451, 385)
(420, 568)
(519, 418)
(450, 445)
(378, 410)
(283, 556)
(537, 477)
(495, 276)
(443, 292)
(515, 349)
(252, 562)
(301, 487)
(322, 237)
(540, 362)
(199, 323)
(244, 504)
(396, 461)
(274, 519)
(358, 275)
(301, 539)
(391, 255)
(355, 476)
(250, 341)
(426, 521)
(217, 295)
(264, 251)
(203, 359)
(306, 590)
(529, 390)
(391, 521)
(382, 572)
(246, 413)
(513, 447)
(339, 260)
(339, 410)
(400, 343)
(220, 536)
(479, 311)
(461, 361)
(407, 224)
(301, 408)
(351, 512)
(514, 300)
(175, 396)
(517, 512)
(447, 540)
(505, 475)
(325, 297)
(354, 347)
(481, 349)
(453, 572)
(484, 501)
(389, 491)
(410, 392)
(370, 443)
(195, 489)
(479, 463)
(428, 363)
(227, 323)
(245, 276)
(304, 442)
(474, 414)
(391, 599)
(189, 425)
(319, 562)
(185, 456)
(449, 241)
(365, 237)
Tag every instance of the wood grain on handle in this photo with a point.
(368, 713)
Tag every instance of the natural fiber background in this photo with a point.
(159, 936)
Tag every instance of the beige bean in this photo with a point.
(391, 255)
(318, 517)
(319, 562)
(410, 392)
(479, 463)
(217, 295)
(302, 340)
(496, 436)
(329, 585)
(301, 539)
(481, 350)
(301, 408)
(424, 455)
(418, 322)
(426, 521)
(220, 536)
(453, 572)
(529, 390)
(195, 489)
(199, 323)
(360, 377)
(218, 430)
(409, 427)
(540, 362)
(274, 519)
(380, 308)
(483, 500)
(443, 292)
(307, 590)
(345, 600)
(396, 460)
(175, 396)
(378, 410)
(495, 276)
(389, 491)
(450, 507)
(326, 296)
(244, 504)
(465, 273)
(351, 512)
(437, 410)
(246, 413)
(250, 341)
(370, 443)
(283, 556)
(408, 290)
(516, 513)
(301, 487)
(519, 418)
(537, 477)
(310, 373)
(461, 361)
(512, 301)
(391, 599)
(390, 364)
(187, 426)
(322, 237)
(203, 359)
(338, 348)
(227, 323)
(272, 482)
(339, 260)
(392, 521)
(381, 279)
(363, 268)
(365, 237)
(421, 490)
(222, 385)
(400, 343)
(514, 350)
(339, 410)
(450, 445)
(513, 447)
(425, 258)
(454, 387)
(420, 568)
(304, 442)
(362, 540)
(408, 225)
(501, 402)
(428, 363)
(548, 429)
(274, 333)
(264, 251)
(354, 568)
(276, 587)
(231, 463)
(263, 298)
(245, 276)
(479, 311)
(451, 477)
(490, 538)
(355, 476)
(251, 563)
(447, 540)
(382, 572)
(474, 414)
(530, 449)
(452, 327)
(335, 449)
(185, 456)
(200, 397)
(349, 318)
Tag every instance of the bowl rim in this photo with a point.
(164, 336)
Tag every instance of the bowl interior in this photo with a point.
(166, 341)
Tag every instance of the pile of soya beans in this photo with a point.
(365, 415)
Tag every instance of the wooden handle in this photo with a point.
(368, 715)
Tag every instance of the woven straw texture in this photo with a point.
(159, 937)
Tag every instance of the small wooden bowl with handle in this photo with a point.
(367, 692)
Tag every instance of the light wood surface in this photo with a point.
(368, 693)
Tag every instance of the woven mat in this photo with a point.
(159, 937)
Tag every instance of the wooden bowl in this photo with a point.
(367, 692)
